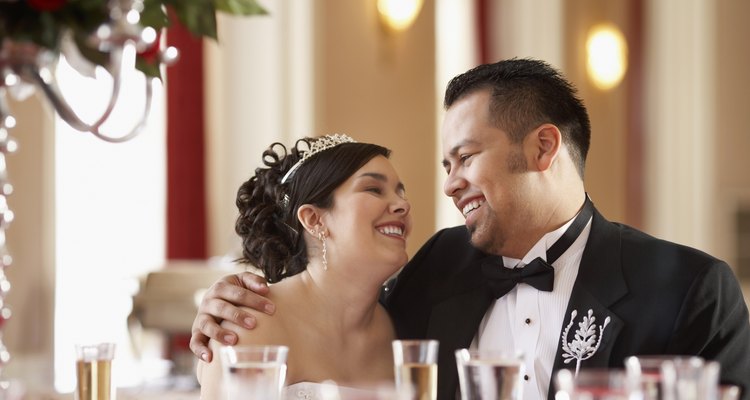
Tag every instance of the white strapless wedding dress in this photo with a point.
(330, 391)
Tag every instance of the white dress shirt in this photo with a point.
(530, 320)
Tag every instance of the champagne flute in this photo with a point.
(415, 367)
(94, 371)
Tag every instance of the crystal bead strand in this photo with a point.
(7, 146)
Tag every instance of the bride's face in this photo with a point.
(370, 220)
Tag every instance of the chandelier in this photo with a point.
(114, 34)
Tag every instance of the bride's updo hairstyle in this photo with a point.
(272, 236)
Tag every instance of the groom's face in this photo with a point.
(487, 176)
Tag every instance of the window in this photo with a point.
(109, 220)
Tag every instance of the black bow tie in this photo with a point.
(538, 273)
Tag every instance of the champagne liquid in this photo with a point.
(651, 385)
(421, 377)
(490, 381)
(255, 380)
(94, 380)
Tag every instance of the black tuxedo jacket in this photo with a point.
(661, 298)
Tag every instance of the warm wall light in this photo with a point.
(399, 14)
(606, 55)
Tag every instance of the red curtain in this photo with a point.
(186, 236)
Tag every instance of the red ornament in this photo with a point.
(151, 53)
(47, 5)
(4, 316)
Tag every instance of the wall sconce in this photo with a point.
(398, 15)
(606, 55)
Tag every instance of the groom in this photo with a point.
(536, 265)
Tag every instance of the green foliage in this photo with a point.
(240, 7)
(45, 22)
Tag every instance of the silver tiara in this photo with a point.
(320, 144)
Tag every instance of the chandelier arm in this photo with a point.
(116, 57)
(55, 97)
(138, 127)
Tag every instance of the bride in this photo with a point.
(326, 222)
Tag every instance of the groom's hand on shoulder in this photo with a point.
(222, 302)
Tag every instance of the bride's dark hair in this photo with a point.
(272, 236)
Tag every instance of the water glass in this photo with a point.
(376, 391)
(14, 389)
(729, 392)
(415, 367)
(669, 377)
(647, 369)
(690, 379)
(597, 384)
(330, 390)
(94, 371)
(490, 375)
(253, 372)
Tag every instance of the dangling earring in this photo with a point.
(322, 238)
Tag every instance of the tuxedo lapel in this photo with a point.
(454, 322)
(599, 284)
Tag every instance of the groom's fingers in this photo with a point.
(222, 302)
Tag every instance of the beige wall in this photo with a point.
(606, 164)
(712, 118)
(28, 334)
(732, 132)
(372, 84)
(379, 86)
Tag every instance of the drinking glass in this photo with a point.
(647, 369)
(597, 384)
(729, 392)
(330, 390)
(94, 371)
(377, 391)
(253, 372)
(415, 367)
(490, 375)
(690, 378)
(13, 389)
(669, 377)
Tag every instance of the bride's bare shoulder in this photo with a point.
(269, 329)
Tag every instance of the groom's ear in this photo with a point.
(310, 217)
(544, 144)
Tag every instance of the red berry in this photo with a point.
(47, 5)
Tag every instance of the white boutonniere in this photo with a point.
(585, 342)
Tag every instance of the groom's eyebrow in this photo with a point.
(453, 152)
